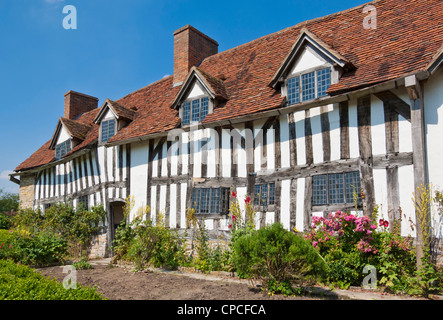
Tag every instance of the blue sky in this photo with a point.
(118, 47)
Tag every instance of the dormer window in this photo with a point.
(195, 110)
(62, 148)
(107, 130)
(308, 86)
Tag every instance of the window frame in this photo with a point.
(347, 199)
(299, 76)
(190, 102)
(83, 200)
(217, 197)
(270, 196)
(68, 147)
(102, 127)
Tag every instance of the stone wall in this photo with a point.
(26, 192)
(99, 246)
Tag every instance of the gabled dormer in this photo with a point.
(308, 70)
(198, 96)
(67, 135)
(111, 118)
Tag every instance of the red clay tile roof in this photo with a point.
(76, 129)
(408, 35)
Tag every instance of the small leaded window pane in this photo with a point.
(196, 110)
(108, 130)
(186, 113)
(323, 81)
(204, 108)
(62, 148)
(257, 190)
(352, 180)
(210, 200)
(84, 201)
(294, 90)
(336, 188)
(308, 86)
(204, 200)
(319, 190)
(271, 193)
(215, 200)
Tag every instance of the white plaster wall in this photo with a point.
(285, 203)
(381, 192)
(306, 60)
(138, 174)
(284, 142)
(300, 203)
(378, 130)
(334, 127)
(63, 136)
(433, 100)
(317, 139)
(195, 91)
(299, 121)
(406, 177)
(173, 205)
(258, 151)
(354, 151)
(226, 153)
(183, 189)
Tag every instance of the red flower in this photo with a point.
(234, 217)
(381, 222)
(248, 199)
(234, 194)
(229, 226)
(386, 224)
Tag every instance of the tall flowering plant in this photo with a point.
(235, 213)
(342, 229)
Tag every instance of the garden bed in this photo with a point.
(121, 283)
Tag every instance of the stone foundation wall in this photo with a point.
(99, 246)
(26, 192)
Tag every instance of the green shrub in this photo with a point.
(19, 282)
(82, 264)
(146, 244)
(5, 221)
(278, 257)
(42, 248)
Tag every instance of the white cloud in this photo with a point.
(4, 175)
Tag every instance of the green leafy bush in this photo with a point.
(75, 225)
(5, 221)
(19, 282)
(278, 257)
(146, 243)
(42, 248)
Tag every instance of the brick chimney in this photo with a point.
(78, 103)
(190, 48)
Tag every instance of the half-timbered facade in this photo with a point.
(326, 115)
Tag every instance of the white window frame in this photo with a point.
(101, 129)
(299, 76)
(190, 100)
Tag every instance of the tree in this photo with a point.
(8, 201)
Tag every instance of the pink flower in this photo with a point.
(230, 226)
(314, 244)
(234, 194)
(373, 226)
(248, 199)
(234, 217)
